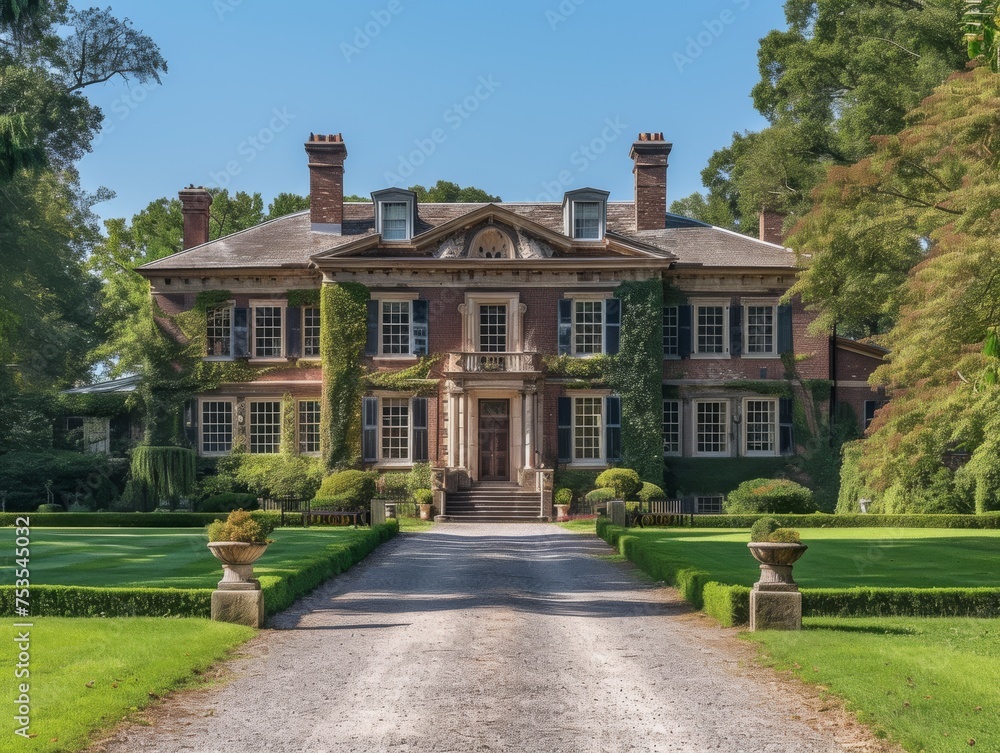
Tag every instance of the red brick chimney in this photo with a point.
(649, 154)
(195, 203)
(326, 182)
(772, 226)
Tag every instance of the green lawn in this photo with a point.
(931, 684)
(150, 557)
(845, 557)
(87, 674)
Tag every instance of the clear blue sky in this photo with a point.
(500, 95)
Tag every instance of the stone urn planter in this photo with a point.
(562, 512)
(425, 511)
(237, 559)
(775, 601)
(776, 560)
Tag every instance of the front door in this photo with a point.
(494, 440)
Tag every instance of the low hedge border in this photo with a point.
(127, 519)
(730, 604)
(279, 590)
(821, 520)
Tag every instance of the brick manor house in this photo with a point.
(499, 292)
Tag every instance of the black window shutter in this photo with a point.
(685, 317)
(565, 326)
(293, 330)
(371, 343)
(613, 428)
(420, 451)
(369, 430)
(565, 430)
(785, 344)
(735, 329)
(241, 333)
(419, 309)
(870, 407)
(612, 325)
(786, 437)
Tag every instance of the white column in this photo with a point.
(463, 440)
(452, 429)
(529, 429)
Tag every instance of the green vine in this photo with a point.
(636, 375)
(771, 387)
(595, 369)
(411, 379)
(300, 298)
(287, 444)
(93, 404)
(344, 315)
(210, 299)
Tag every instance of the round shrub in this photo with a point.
(228, 502)
(763, 528)
(423, 497)
(50, 508)
(767, 495)
(564, 496)
(623, 481)
(355, 487)
(786, 536)
(242, 526)
(600, 496)
(649, 492)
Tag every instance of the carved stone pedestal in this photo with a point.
(239, 607)
(775, 610)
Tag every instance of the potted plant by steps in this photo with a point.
(776, 549)
(425, 499)
(564, 498)
(238, 542)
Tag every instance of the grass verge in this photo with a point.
(89, 674)
(930, 684)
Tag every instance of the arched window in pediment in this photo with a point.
(491, 243)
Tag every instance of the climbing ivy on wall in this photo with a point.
(343, 331)
(636, 375)
(411, 379)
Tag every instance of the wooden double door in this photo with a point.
(494, 440)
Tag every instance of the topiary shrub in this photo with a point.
(273, 476)
(564, 496)
(600, 496)
(419, 477)
(423, 497)
(392, 486)
(578, 481)
(241, 526)
(764, 495)
(623, 481)
(763, 528)
(356, 488)
(227, 502)
(50, 508)
(649, 492)
(786, 536)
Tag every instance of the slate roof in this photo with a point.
(287, 242)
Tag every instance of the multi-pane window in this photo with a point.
(711, 329)
(670, 337)
(308, 426)
(265, 426)
(711, 505)
(671, 427)
(493, 328)
(216, 426)
(712, 427)
(759, 421)
(587, 428)
(587, 220)
(219, 331)
(396, 327)
(760, 329)
(588, 327)
(395, 429)
(267, 332)
(310, 331)
(394, 221)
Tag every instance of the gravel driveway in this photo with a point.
(493, 638)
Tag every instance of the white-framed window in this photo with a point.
(587, 220)
(759, 329)
(493, 328)
(308, 426)
(394, 221)
(711, 330)
(708, 505)
(588, 327)
(394, 330)
(216, 427)
(264, 434)
(310, 331)
(394, 425)
(761, 426)
(672, 427)
(671, 338)
(711, 427)
(588, 429)
(219, 332)
(268, 330)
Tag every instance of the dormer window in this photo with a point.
(395, 213)
(585, 214)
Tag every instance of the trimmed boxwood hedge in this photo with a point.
(279, 591)
(820, 520)
(127, 519)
